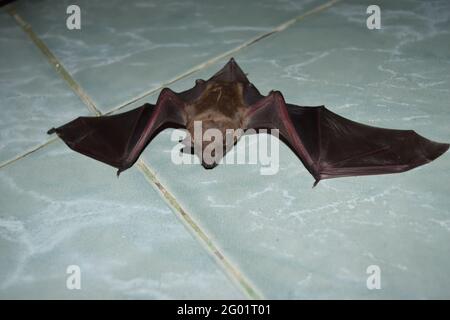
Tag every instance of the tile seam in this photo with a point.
(233, 273)
(27, 152)
(51, 58)
(25, 26)
(227, 53)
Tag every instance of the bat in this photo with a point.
(328, 145)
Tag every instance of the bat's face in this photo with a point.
(212, 139)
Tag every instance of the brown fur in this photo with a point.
(220, 106)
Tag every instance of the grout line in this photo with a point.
(213, 60)
(29, 151)
(317, 9)
(232, 272)
(54, 61)
(88, 102)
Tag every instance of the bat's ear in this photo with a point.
(231, 72)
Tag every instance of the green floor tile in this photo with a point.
(59, 209)
(124, 50)
(293, 241)
(32, 97)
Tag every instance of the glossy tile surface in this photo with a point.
(32, 97)
(123, 50)
(61, 209)
(287, 239)
(296, 242)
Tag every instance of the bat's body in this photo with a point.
(328, 145)
(221, 106)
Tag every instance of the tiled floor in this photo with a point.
(156, 234)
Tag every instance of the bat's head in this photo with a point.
(212, 139)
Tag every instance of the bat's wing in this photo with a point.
(331, 146)
(118, 140)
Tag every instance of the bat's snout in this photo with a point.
(209, 166)
(210, 153)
